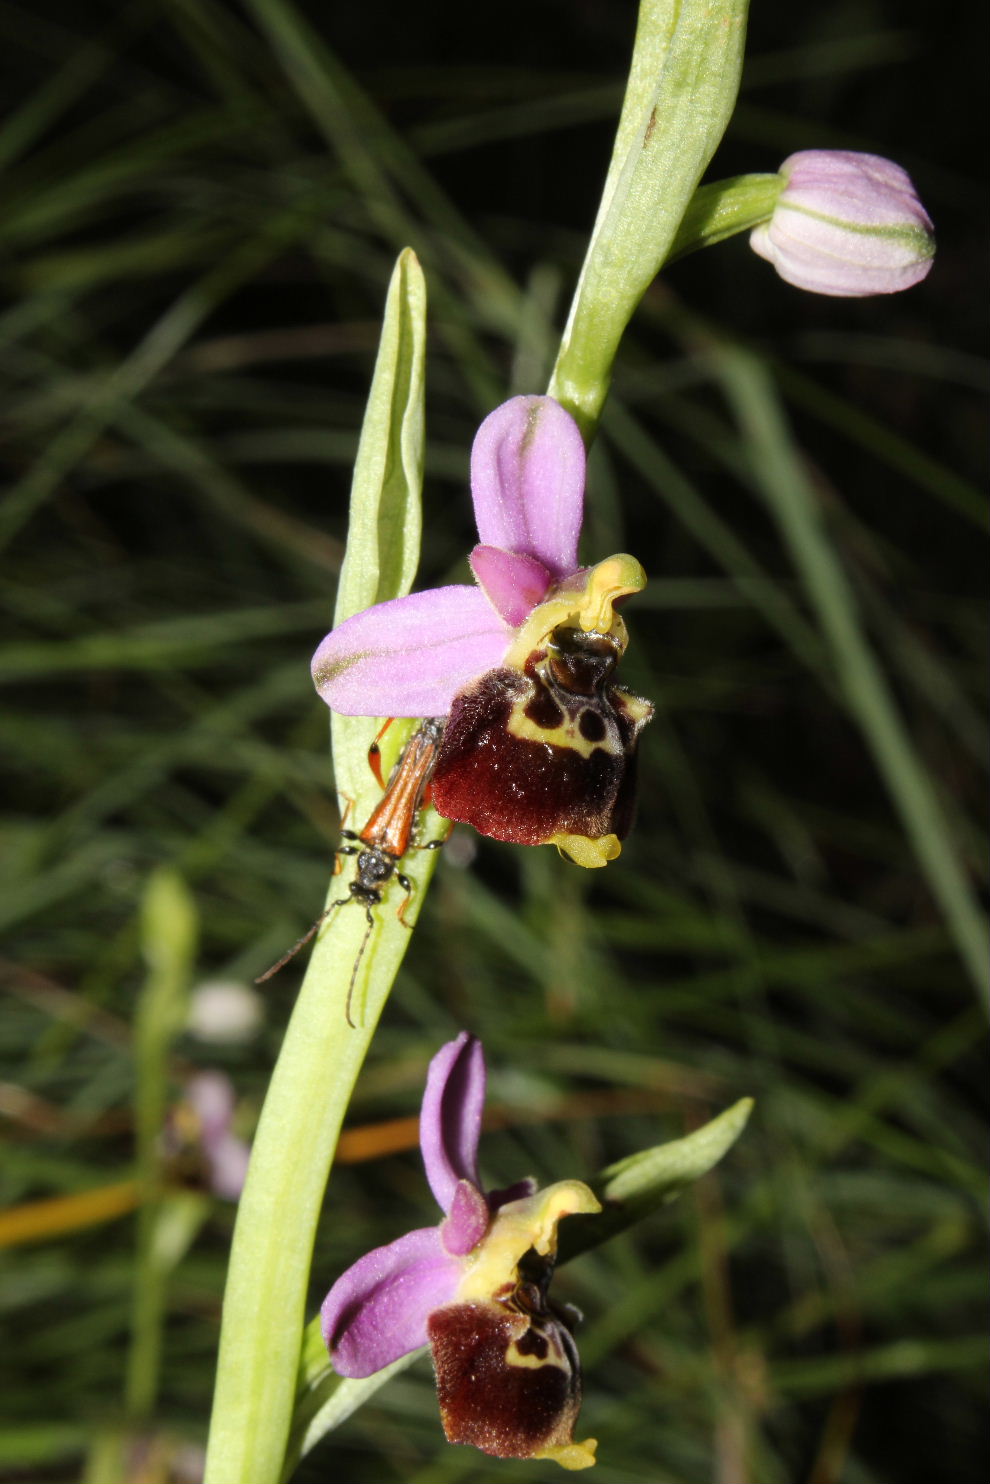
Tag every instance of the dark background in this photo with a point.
(195, 241)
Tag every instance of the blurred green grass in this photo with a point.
(201, 206)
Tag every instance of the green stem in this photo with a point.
(268, 1277)
(683, 81)
(168, 931)
(724, 208)
(322, 1054)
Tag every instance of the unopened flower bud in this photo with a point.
(846, 224)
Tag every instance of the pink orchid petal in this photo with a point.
(467, 1220)
(450, 1118)
(411, 656)
(527, 481)
(378, 1309)
(512, 583)
(856, 188)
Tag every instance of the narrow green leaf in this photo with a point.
(352, 967)
(385, 525)
(30, 1444)
(383, 531)
(168, 941)
(655, 1176)
(682, 88)
(783, 481)
(125, 381)
(640, 1183)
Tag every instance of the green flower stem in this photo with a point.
(682, 87)
(325, 1400)
(268, 1280)
(322, 1054)
(725, 208)
(168, 934)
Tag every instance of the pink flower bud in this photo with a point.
(846, 224)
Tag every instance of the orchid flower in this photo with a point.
(200, 1135)
(522, 663)
(474, 1287)
(846, 224)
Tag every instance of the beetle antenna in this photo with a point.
(309, 933)
(357, 965)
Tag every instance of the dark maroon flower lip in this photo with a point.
(508, 1376)
(474, 1285)
(547, 753)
